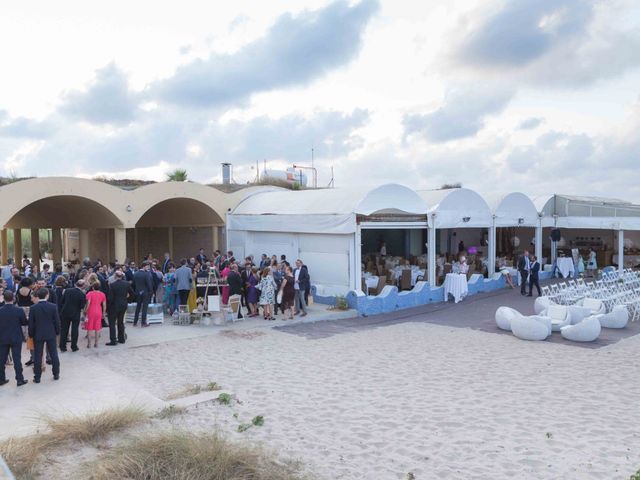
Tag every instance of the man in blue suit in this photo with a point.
(12, 319)
(44, 326)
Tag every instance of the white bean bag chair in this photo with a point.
(578, 313)
(541, 304)
(504, 315)
(596, 306)
(531, 328)
(559, 316)
(587, 330)
(617, 318)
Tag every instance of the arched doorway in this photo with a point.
(180, 226)
(69, 227)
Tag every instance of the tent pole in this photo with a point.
(620, 250)
(431, 251)
(539, 240)
(357, 256)
(491, 257)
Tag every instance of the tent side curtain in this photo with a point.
(328, 224)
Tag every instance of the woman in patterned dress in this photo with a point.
(267, 288)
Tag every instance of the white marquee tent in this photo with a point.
(323, 227)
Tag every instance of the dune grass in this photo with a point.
(184, 455)
(24, 454)
(193, 389)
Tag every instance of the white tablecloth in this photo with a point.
(456, 285)
(565, 266)
(371, 281)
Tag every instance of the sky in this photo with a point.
(538, 96)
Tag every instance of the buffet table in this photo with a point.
(456, 285)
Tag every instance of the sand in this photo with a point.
(430, 400)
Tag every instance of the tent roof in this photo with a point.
(452, 206)
(388, 198)
(512, 209)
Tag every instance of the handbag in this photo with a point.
(279, 297)
(104, 323)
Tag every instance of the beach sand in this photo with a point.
(431, 400)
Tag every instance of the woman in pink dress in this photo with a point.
(225, 289)
(95, 311)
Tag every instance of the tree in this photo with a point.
(447, 186)
(178, 175)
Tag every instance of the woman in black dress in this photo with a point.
(288, 292)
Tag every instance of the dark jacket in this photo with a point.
(522, 263)
(304, 281)
(128, 275)
(235, 283)
(119, 293)
(11, 320)
(73, 301)
(142, 282)
(535, 268)
(44, 321)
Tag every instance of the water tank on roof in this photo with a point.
(290, 175)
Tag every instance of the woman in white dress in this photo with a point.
(592, 264)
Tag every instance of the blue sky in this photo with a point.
(535, 95)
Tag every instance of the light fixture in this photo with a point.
(129, 208)
(520, 221)
(466, 219)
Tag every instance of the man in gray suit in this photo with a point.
(183, 281)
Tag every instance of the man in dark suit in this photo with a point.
(523, 268)
(235, 284)
(302, 282)
(118, 300)
(201, 258)
(12, 319)
(143, 286)
(44, 325)
(73, 301)
(533, 275)
(166, 263)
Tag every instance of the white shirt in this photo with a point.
(383, 251)
(527, 263)
(296, 285)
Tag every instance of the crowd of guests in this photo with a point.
(48, 309)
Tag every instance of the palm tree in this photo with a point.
(178, 175)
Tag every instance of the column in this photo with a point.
(491, 254)
(538, 253)
(216, 240)
(35, 246)
(5, 246)
(56, 240)
(17, 246)
(620, 250)
(170, 229)
(357, 260)
(120, 244)
(136, 255)
(431, 255)
(83, 243)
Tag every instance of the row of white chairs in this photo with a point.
(615, 288)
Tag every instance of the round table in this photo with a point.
(456, 285)
(566, 267)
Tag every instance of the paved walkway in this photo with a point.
(476, 312)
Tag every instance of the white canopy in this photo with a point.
(569, 211)
(322, 211)
(512, 210)
(456, 208)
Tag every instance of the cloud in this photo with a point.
(560, 43)
(530, 123)
(462, 115)
(107, 100)
(295, 51)
(193, 141)
(26, 128)
(525, 30)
